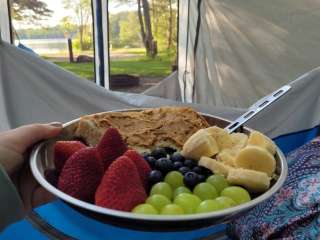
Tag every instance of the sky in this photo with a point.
(59, 12)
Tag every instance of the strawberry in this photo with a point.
(63, 150)
(81, 175)
(121, 187)
(141, 164)
(110, 147)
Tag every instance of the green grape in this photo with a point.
(144, 209)
(172, 209)
(205, 191)
(158, 201)
(188, 202)
(226, 201)
(179, 190)
(174, 178)
(218, 181)
(162, 188)
(209, 206)
(237, 194)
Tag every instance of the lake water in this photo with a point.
(43, 46)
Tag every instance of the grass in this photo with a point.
(85, 70)
(141, 66)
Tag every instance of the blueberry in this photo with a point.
(145, 155)
(197, 169)
(177, 165)
(155, 176)
(206, 171)
(184, 170)
(159, 153)
(191, 179)
(190, 163)
(164, 165)
(202, 178)
(177, 157)
(170, 150)
(151, 161)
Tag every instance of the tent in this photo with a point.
(231, 53)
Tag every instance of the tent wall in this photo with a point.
(247, 49)
(5, 30)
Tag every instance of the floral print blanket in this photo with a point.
(294, 211)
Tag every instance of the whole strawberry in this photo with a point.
(63, 150)
(81, 175)
(141, 164)
(110, 147)
(121, 187)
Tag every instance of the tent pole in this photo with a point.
(101, 42)
(5, 22)
(183, 46)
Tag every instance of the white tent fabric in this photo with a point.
(248, 48)
(167, 88)
(33, 90)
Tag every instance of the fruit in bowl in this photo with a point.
(117, 171)
(165, 180)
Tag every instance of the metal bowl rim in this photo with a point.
(155, 218)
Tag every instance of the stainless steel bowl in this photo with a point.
(42, 159)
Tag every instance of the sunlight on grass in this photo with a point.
(138, 66)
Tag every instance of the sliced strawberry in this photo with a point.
(81, 175)
(110, 147)
(63, 150)
(141, 164)
(121, 187)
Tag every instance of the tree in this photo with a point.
(143, 12)
(129, 31)
(82, 10)
(29, 10)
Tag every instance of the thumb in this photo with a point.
(23, 137)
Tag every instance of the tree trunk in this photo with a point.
(149, 37)
(170, 25)
(81, 30)
(143, 33)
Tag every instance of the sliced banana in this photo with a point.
(215, 166)
(227, 156)
(252, 180)
(258, 139)
(239, 140)
(221, 135)
(256, 158)
(200, 144)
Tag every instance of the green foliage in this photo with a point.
(29, 10)
(87, 43)
(125, 28)
(129, 31)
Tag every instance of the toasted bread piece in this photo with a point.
(146, 129)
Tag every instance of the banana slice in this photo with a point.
(252, 180)
(226, 140)
(258, 139)
(215, 166)
(256, 158)
(221, 135)
(227, 156)
(200, 144)
(238, 140)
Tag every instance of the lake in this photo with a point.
(45, 46)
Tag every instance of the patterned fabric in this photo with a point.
(294, 211)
